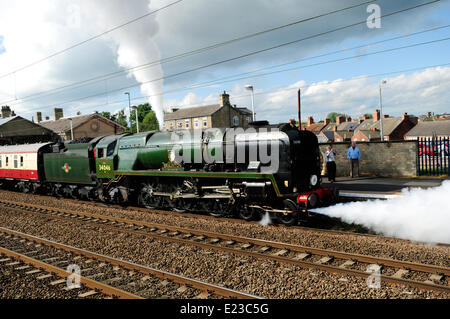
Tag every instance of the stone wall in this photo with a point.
(395, 158)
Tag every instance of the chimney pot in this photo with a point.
(224, 99)
(327, 121)
(58, 114)
(376, 115)
(339, 120)
(39, 117)
(310, 121)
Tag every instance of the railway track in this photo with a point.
(228, 219)
(101, 274)
(423, 276)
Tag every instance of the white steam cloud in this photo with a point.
(421, 215)
(135, 44)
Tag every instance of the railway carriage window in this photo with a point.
(15, 161)
(7, 160)
(21, 161)
(1, 160)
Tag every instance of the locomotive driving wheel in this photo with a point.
(248, 213)
(146, 196)
(288, 219)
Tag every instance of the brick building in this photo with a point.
(89, 125)
(202, 117)
(394, 128)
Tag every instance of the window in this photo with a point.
(7, 161)
(236, 121)
(171, 124)
(249, 119)
(187, 123)
(21, 161)
(111, 148)
(196, 124)
(205, 122)
(15, 161)
(1, 157)
(100, 152)
(179, 124)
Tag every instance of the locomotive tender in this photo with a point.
(264, 169)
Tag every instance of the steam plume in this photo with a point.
(135, 43)
(421, 215)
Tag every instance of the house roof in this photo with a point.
(430, 128)
(328, 134)
(389, 125)
(344, 134)
(370, 134)
(315, 127)
(346, 126)
(329, 127)
(190, 112)
(200, 111)
(63, 125)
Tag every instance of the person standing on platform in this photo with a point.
(354, 155)
(331, 164)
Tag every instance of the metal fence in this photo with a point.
(433, 156)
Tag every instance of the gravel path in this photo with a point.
(263, 278)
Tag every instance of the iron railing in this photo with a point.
(433, 156)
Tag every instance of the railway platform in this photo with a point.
(379, 187)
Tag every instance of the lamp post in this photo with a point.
(381, 112)
(250, 88)
(71, 129)
(129, 107)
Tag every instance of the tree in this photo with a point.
(147, 118)
(333, 115)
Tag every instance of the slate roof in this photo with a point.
(346, 126)
(430, 128)
(371, 134)
(199, 111)
(63, 125)
(389, 125)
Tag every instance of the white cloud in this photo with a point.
(414, 93)
(32, 30)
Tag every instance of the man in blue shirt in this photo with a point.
(353, 155)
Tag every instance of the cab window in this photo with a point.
(100, 152)
(111, 148)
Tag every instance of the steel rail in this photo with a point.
(198, 284)
(92, 284)
(179, 231)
